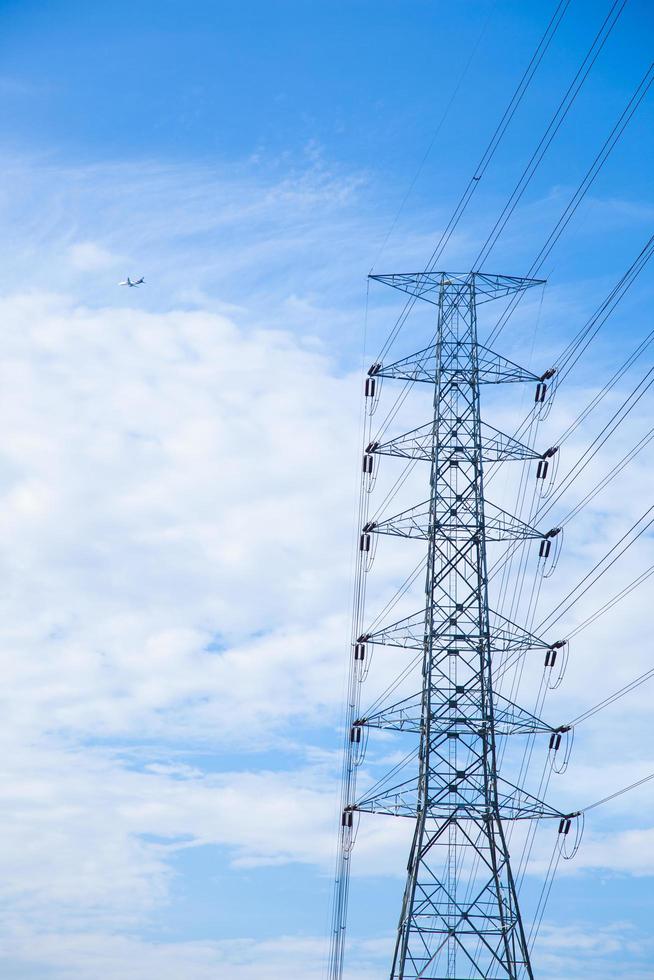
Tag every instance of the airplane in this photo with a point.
(128, 282)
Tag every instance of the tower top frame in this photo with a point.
(430, 286)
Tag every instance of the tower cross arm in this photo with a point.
(406, 715)
(462, 798)
(432, 286)
(492, 368)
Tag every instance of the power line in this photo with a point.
(608, 24)
(612, 698)
(601, 394)
(441, 123)
(589, 332)
(627, 590)
(578, 196)
(600, 316)
(594, 324)
(486, 158)
(555, 123)
(502, 668)
(550, 619)
(618, 417)
(627, 406)
(619, 792)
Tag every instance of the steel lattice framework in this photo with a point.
(460, 918)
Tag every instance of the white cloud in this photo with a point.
(163, 483)
(581, 949)
(93, 831)
(85, 956)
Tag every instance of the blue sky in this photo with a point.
(179, 462)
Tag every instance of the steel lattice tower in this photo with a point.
(460, 917)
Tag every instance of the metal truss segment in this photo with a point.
(459, 521)
(458, 701)
(448, 288)
(456, 446)
(460, 798)
(455, 632)
(492, 369)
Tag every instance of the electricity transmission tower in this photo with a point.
(460, 918)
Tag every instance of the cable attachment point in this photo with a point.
(543, 462)
(551, 659)
(568, 851)
(368, 545)
(355, 734)
(368, 466)
(555, 737)
(360, 647)
(565, 822)
(372, 388)
(550, 656)
(546, 543)
(559, 760)
(541, 387)
(555, 741)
